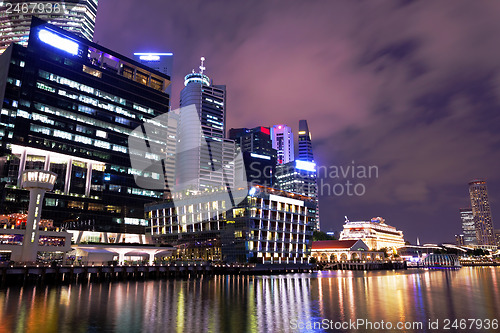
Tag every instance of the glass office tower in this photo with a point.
(213, 166)
(305, 144)
(282, 139)
(75, 16)
(299, 177)
(258, 154)
(482, 212)
(468, 226)
(69, 106)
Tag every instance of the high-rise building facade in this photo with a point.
(305, 144)
(468, 226)
(482, 212)
(258, 154)
(256, 140)
(75, 16)
(299, 177)
(282, 139)
(70, 106)
(268, 226)
(207, 161)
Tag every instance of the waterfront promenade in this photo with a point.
(91, 273)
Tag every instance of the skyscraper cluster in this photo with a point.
(297, 175)
(477, 222)
(88, 114)
(270, 159)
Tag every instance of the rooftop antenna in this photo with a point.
(202, 68)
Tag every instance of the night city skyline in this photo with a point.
(411, 88)
(249, 166)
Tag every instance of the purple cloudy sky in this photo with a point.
(412, 87)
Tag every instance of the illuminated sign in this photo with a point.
(149, 57)
(265, 130)
(264, 157)
(58, 41)
(302, 132)
(305, 165)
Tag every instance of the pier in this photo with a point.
(85, 274)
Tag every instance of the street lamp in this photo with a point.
(37, 182)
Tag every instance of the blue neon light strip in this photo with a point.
(153, 54)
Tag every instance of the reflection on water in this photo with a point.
(253, 304)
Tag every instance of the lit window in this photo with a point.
(92, 71)
(62, 134)
(101, 144)
(45, 87)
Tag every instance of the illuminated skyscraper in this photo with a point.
(282, 138)
(305, 144)
(482, 212)
(258, 154)
(211, 168)
(75, 16)
(70, 106)
(299, 177)
(468, 226)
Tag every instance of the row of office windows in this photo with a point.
(77, 138)
(88, 120)
(82, 129)
(98, 93)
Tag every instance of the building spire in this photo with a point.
(202, 68)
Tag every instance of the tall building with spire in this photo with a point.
(282, 139)
(482, 212)
(75, 16)
(199, 168)
(305, 144)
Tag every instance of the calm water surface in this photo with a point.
(285, 303)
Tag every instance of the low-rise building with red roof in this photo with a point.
(343, 250)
